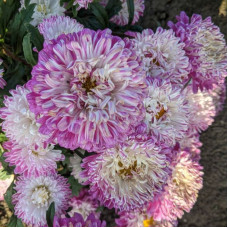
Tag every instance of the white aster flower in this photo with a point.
(44, 9)
(19, 123)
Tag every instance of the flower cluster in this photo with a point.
(112, 121)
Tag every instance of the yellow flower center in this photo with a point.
(127, 171)
(42, 8)
(89, 84)
(148, 222)
(160, 113)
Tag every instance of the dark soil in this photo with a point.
(211, 207)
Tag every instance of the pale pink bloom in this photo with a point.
(35, 194)
(19, 123)
(181, 192)
(167, 112)
(162, 54)
(126, 176)
(206, 48)
(54, 26)
(32, 160)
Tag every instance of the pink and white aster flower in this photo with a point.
(206, 48)
(77, 220)
(2, 81)
(82, 3)
(19, 123)
(126, 176)
(44, 9)
(181, 192)
(167, 114)
(32, 160)
(162, 54)
(202, 110)
(84, 204)
(54, 26)
(122, 17)
(35, 194)
(90, 96)
(139, 218)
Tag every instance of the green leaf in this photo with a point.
(113, 7)
(3, 137)
(50, 214)
(131, 9)
(8, 196)
(100, 13)
(17, 28)
(36, 38)
(74, 185)
(15, 222)
(27, 48)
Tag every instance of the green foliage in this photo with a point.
(8, 196)
(50, 214)
(131, 9)
(27, 48)
(74, 185)
(15, 222)
(113, 7)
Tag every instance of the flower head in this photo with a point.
(77, 221)
(205, 47)
(32, 160)
(35, 194)
(2, 81)
(181, 191)
(44, 9)
(139, 218)
(167, 114)
(122, 17)
(84, 204)
(162, 54)
(202, 110)
(90, 96)
(20, 124)
(127, 176)
(54, 26)
(82, 3)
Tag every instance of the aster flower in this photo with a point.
(44, 9)
(202, 110)
(162, 54)
(35, 194)
(90, 96)
(122, 17)
(82, 3)
(84, 204)
(2, 81)
(206, 48)
(127, 176)
(181, 192)
(32, 160)
(191, 143)
(139, 218)
(167, 114)
(19, 123)
(78, 221)
(54, 26)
